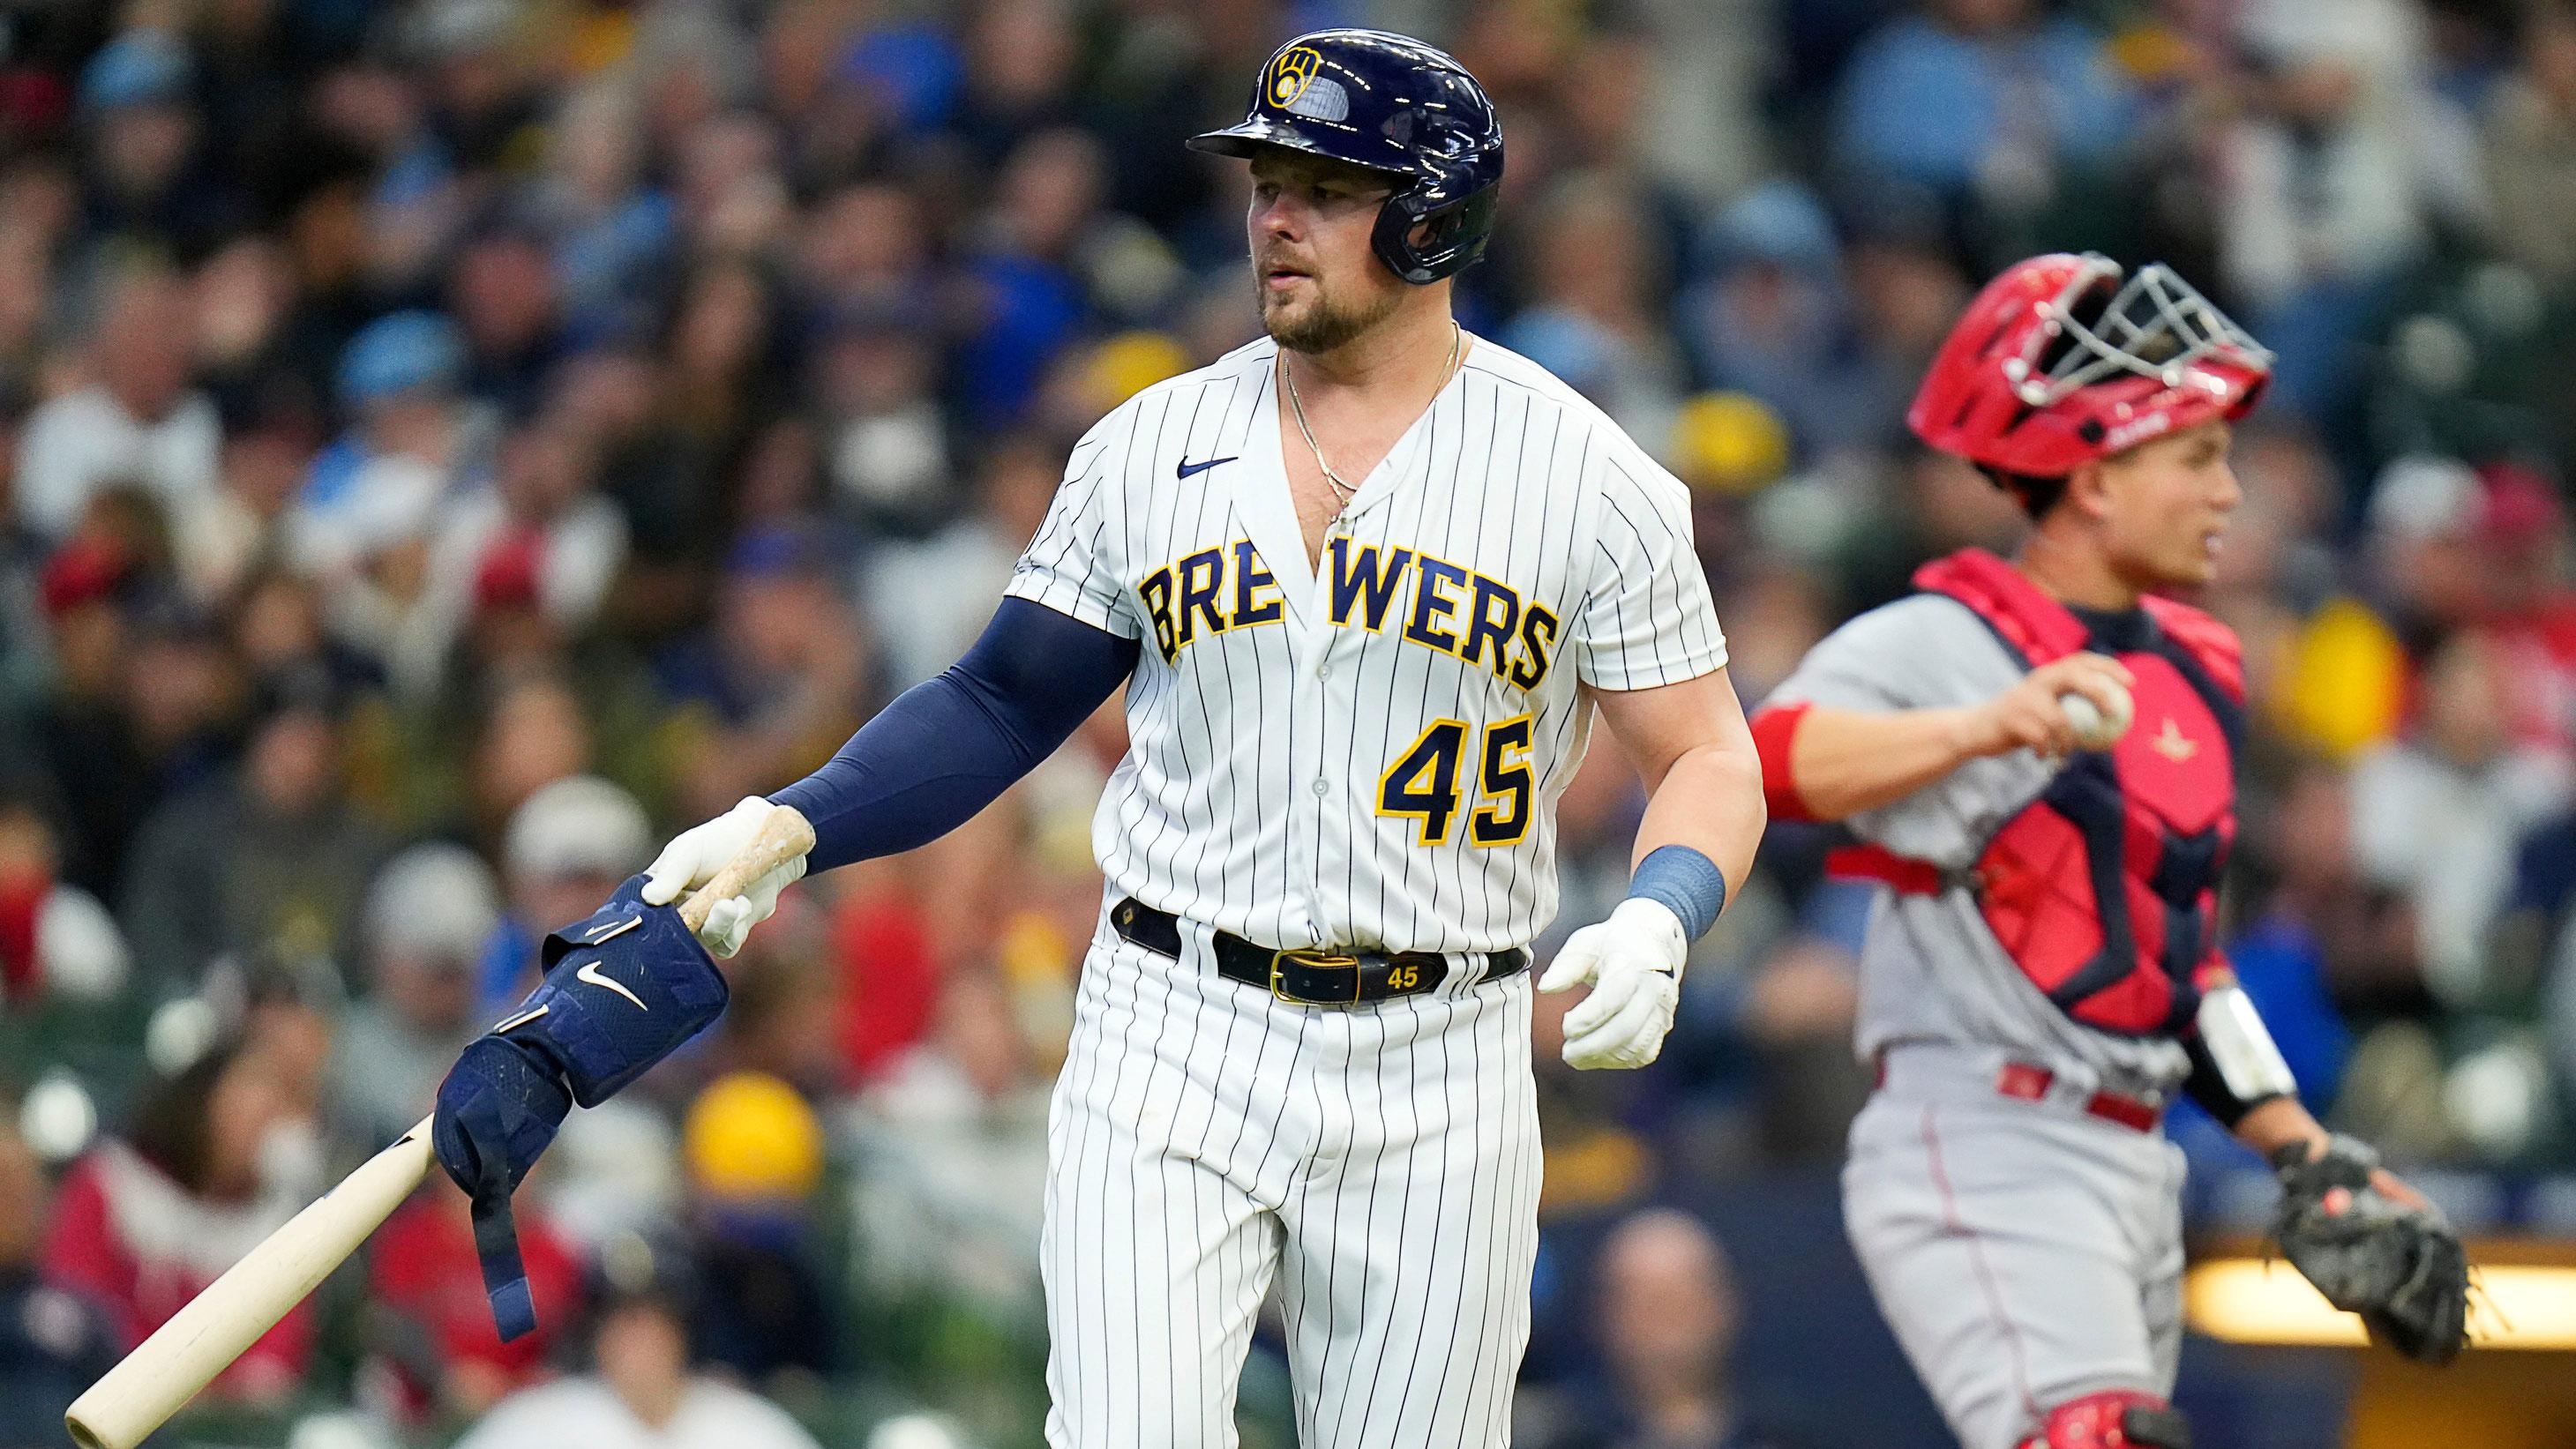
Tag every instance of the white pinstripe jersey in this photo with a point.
(1367, 754)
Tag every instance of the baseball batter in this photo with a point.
(1367, 583)
(2037, 760)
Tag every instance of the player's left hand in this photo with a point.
(1633, 963)
(2373, 1246)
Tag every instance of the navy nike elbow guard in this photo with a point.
(623, 989)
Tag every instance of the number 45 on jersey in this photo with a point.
(1423, 783)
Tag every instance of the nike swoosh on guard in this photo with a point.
(590, 972)
(1185, 468)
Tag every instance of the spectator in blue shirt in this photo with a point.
(1980, 101)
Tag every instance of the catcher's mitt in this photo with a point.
(2400, 1267)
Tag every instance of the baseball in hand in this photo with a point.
(2093, 729)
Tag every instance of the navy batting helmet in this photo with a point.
(1394, 105)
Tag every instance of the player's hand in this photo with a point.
(1633, 963)
(695, 855)
(2028, 716)
(2373, 1246)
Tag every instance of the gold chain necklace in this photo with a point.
(1297, 406)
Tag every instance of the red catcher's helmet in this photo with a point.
(2059, 362)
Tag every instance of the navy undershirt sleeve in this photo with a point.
(948, 746)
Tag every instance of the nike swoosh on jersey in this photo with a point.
(1185, 468)
(590, 972)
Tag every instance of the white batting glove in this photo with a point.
(1633, 963)
(696, 854)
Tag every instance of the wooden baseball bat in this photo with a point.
(183, 1355)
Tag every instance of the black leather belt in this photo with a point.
(1306, 976)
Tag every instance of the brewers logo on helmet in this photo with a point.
(1397, 106)
(1290, 72)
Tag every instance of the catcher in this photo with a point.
(2040, 975)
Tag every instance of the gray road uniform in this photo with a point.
(2008, 1192)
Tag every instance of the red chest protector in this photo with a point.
(2104, 889)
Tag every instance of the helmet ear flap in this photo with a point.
(1453, 232)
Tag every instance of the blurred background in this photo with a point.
(447, 446)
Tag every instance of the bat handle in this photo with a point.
(785, 835)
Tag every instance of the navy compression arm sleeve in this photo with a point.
(948, 746)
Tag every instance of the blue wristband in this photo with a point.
(1686, 882)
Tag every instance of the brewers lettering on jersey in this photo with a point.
(1363, 752)
(1367, 583)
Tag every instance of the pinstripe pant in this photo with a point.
(1380, 1162)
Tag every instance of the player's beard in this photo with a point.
(1322, 324)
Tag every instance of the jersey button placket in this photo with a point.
(1313, 703)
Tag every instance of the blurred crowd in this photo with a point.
(447, 445)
